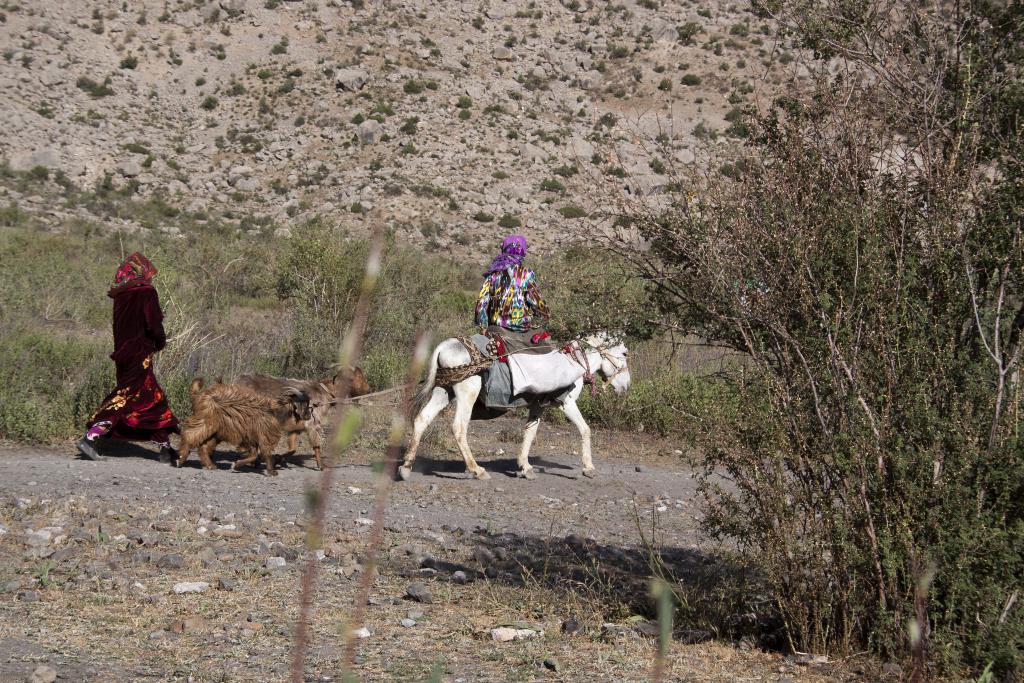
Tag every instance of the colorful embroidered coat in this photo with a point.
(138, 408)
(510, 299)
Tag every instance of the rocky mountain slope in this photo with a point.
(461, 120)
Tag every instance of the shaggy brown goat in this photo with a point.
(322, 396)
(238, 415)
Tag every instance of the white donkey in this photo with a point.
(596, 353)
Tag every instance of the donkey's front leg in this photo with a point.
(533, 422)
(572, 412)
(466, 392)
(434, 405)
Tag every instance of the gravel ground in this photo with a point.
(91, 556)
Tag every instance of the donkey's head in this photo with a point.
(614, 356)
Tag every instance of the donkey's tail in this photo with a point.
(423, 395)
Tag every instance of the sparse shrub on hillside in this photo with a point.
(410, 125)
(209, 103)
(280, 47)
(129, 62)
(412, 87)
(483, 217)
(552, 185)
(665, 84)
(95, 90)
(509, 221)
(572, 211)
(690, 79)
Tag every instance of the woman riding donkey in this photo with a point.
(510, 300)
(137, 409)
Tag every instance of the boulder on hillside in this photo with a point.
(350, 79)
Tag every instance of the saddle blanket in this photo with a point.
(543, 374)
(499, 391)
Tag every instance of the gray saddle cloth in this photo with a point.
(497, 393)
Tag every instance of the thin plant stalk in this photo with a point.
(400, 420)
(348, 423)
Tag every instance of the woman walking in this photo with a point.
(137, 409)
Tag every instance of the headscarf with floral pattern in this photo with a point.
(134, 271)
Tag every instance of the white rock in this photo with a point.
(276, 563)
(362, 632)
(369, 131)
(504, 634)
(350, 79)
(190, 587)
(591, 80)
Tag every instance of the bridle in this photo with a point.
(588, 375)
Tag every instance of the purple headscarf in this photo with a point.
(513, 251)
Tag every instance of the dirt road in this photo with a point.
(92, 552)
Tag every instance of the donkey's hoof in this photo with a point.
(404, 473)
(590, 473)
(527, 474)
(482, 474)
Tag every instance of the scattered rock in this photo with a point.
(276, 563)
(362, 632)
(29, 596)
(47, 157)
(419, 592)
(350, 79)
(225, 584)
(408, 623)
(130, 168)
(571, 625)
(552, 664)
(591, 80)
(502, 53)
(647, 628)
(188, 624)
(369, 132)
(460, 577)
(171, 561)
(43, 674)
(504, 634)
(190, 587)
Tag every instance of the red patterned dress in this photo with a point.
(137, 409)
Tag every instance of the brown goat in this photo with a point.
(238, 415)
(322, 397)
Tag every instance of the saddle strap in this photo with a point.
(448, 377)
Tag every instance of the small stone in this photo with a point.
(414, 614)
(503, 634)
(460, 577)
(276, 563)
(552, 664)
(130, 168)
(369, 132)
(10, 586)
(43, 674)
(638, 468)
(171, 561)
(225, 584)
(571, 625)
(362, 633)
(29, 596)
(502, 53)
(419, 592)
(648, 628)
(408, 623)
(187, 625)
(190, 587)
